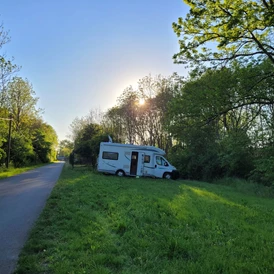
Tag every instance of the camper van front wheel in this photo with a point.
(120, 173)
(167, 175)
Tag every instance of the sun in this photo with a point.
(142, 101)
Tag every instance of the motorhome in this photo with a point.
(134, 160)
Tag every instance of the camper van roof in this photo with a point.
(136, 147)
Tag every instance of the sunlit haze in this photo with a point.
(81, 55)
(142, 101)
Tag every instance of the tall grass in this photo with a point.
(94, 223)
(247, 187)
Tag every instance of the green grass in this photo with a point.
(11, 171)
(94, 223)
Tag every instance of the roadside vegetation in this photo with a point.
(94, 223)
(25, 139)
(5, 173)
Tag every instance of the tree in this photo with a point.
(157, 92)
(44, 142)
(4, 36)
(143, 123)
(76, 127)
(7, 69)
(21, 102)
(219, 119)
(65, 147)
(71, 159)
(112, 123)
(52, 139)
(32, 139)
(219, 31)
(4, 129)
(21, 150)
(87, 143)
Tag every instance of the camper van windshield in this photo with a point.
(161, 161)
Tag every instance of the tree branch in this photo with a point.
(261, 47)
(265, 4)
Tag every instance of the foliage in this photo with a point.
(222, 118)
(3, 135)
(198, 158)
(221, 31)
(71, 159)
(32, 145)
(21, 102)
(65, 147)
(236, 155)
(264, 166)
(33, 140)
(143, 123)
(2, 154)
(41, 147)
(87, 143)
(235, 101)
(105, 224)
(113, 123)
(7, 68)
(21, 151)
(51, 140)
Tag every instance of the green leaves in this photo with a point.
(32, 140)
(220, 116)
(228, 29)
(87, 143)
(143, 123)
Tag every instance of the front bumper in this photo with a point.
(175, 174)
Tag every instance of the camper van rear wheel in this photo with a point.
(120, 173)
(167, 175)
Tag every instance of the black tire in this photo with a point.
(120, 173)
(167, 175)
(175, 174)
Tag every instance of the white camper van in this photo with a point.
(134, 160)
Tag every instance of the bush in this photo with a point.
(236, 155)
(264, 167)
(196, 166)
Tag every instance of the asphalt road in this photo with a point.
(22, 199)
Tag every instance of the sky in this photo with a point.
(81, 55)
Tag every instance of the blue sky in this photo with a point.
(81, 55)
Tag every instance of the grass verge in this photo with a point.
(11, 171)
(94, 223)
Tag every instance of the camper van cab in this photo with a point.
(134, 160)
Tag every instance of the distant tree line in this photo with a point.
(217, 122)
(32, 140)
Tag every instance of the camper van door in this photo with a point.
(137, 163)
(140, 170)
(134, 163)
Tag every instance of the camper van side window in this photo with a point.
(147, 159)
(110, 155)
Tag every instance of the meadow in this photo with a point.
(94, 223)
